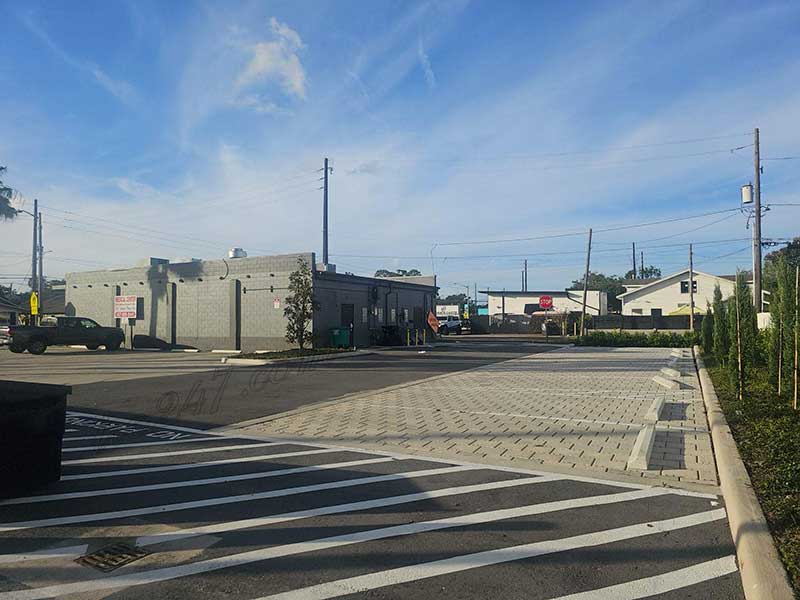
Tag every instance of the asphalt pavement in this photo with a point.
(147, 510)
(218, 395)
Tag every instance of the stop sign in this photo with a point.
(545, 302)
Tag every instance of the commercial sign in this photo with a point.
(34, 303)
(124, 307)
(447, 310)
(545, 302)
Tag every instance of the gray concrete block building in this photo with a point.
(238, 303)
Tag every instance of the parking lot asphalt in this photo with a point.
(198, 390)
(247, 517)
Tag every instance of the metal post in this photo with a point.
(757, 224)
(34, 262)
(526, 275)
(586, 284)
(796, 328)
(691, 290)
(325, 215)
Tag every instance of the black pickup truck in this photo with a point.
(64, 331)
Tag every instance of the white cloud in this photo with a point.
(425, 63)
(122, 90)
(277, 60)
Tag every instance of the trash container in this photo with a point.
(32, 420)
(340, 337)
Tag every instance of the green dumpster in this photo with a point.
(340, 337)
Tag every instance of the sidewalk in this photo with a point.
(576, 409)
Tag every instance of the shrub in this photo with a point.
(656, 339)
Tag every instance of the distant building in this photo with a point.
(670, 295)
(507, 302)
(9, 311)
(238, 303)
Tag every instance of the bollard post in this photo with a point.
(408, 337)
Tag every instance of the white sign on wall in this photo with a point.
(276, 303)
(124, 307)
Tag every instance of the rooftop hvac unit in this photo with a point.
(237, 253)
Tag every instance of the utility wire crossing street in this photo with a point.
(244, 517)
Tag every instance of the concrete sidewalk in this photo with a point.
(575, 409)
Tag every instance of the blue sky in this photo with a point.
(181, 129)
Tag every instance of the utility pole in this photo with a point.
(586, 284)
(526, 275)
(325, 214)
(34, 263)
(641, 263)
(41, 266)
(634, 259)
(476, 297)
(757, 224)
(691, 290)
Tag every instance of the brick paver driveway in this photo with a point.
(572, 408)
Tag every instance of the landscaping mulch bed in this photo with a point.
(295, 353)
(767, 432)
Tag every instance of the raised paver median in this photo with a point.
(574, 408)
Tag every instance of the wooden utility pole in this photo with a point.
(691, 290)
(796, 328)
(641, 263)
(41, 265)
(634, 259)
(757, 224)
(586, 283)
(738, 340)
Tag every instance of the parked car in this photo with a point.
(4, 337)
(64, 331)
(452, 324)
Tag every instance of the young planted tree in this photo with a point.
(708, 331)
(743, 333)
(721, 339)
(781, 325)
(300, 306)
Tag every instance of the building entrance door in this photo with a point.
(348, 319)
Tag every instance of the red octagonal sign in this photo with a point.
(545, 302)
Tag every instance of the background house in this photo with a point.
(670, 295)
(526, 303)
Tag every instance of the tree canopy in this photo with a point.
(7, 212)
(397, 273)
(790, 253)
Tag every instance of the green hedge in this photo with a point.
(651, 340)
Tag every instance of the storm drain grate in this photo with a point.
(112, 557)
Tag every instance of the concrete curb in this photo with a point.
(642, 448)
(760, 567)
(260, 362)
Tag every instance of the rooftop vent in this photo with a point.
(237, 253)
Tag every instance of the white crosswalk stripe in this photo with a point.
(383, 500)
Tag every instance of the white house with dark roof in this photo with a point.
(670, 295)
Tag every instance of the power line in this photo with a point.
(570, 152)
(581, 233)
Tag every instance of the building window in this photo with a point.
(380, 314)
(392, 315)
(685, 286)
(364, 314)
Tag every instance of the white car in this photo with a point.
(450, 324)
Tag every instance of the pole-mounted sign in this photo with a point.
(545, 302)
